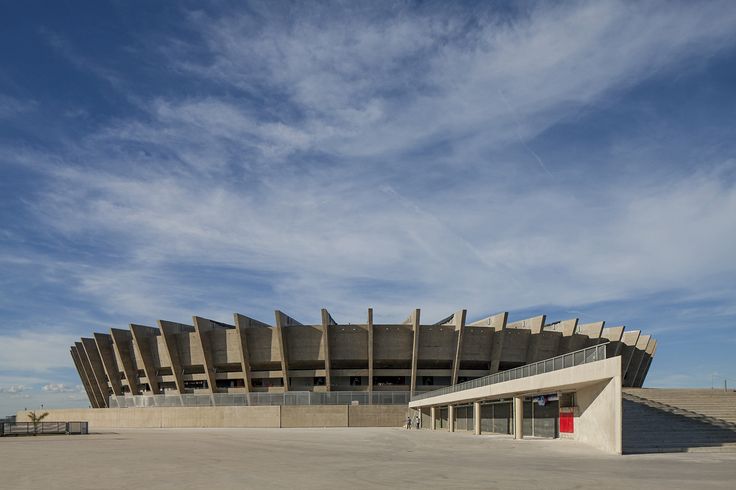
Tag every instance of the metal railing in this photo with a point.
(575, 358)
(263, 399)
(27, 428)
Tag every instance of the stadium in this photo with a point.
(251, 357)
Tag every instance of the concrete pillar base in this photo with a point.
(476, 418)
(518, 417)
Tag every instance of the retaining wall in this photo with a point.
(213, 417)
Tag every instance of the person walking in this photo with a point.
(408, 422)
(417, 421)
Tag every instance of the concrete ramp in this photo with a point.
(654, 427)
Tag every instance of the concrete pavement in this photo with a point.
(339, 458)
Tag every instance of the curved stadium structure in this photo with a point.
(250, 356)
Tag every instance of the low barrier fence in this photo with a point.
(29, 428)
(263, 399)
(582, 356)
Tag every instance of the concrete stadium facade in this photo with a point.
(250, 356)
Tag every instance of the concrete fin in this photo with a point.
(283, 320)
(459, 321)
(241, 323)
(201, 327)
(122, 342)
(98, 370)
(415, 319)
(327, 322)
(169, 330)
(84, 361)
(83, 377)
(105, 350)
(370, 349)
(141, 342)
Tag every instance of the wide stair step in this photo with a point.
(651, 425)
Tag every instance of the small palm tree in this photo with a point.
(36, 419)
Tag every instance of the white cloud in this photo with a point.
(210, 181)
(14, 389)
(60, 388)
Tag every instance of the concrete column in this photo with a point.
(459, 320)
(169, 330)
(98, 370)
(326, 322)
(518, 417)
(84, 361)
(370, 349)
(451, 417)
(281, 320)
(83, 376)
(498, 324)
(414, 350)
(104, 348)
(122, 343)
(142, 336)
(433, 417)
(476, 418)
(241, 323)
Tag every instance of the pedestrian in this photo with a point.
(417, 421)
(408, 422)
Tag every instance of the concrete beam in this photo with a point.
(84, 361)
(370, 349)
(327, 321)
(83, 377)
(414, 349)
(141, 342)
(459, 320)
(98, 370)
(122, 342)
(169, 330)
(104, 348)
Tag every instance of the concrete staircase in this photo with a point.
(670, 420)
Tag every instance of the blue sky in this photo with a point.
(165, 159)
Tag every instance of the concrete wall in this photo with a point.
(376, 415)
(314, 416)
(598, 419)
(212, 417)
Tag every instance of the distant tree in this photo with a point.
(36, 419)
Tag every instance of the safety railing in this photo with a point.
(263, 399)
(575, 358)
(41, 428)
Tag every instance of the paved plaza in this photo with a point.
(339, 458)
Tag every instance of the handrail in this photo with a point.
(262, 399)
(575, 358)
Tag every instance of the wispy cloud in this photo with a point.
(394, 157)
